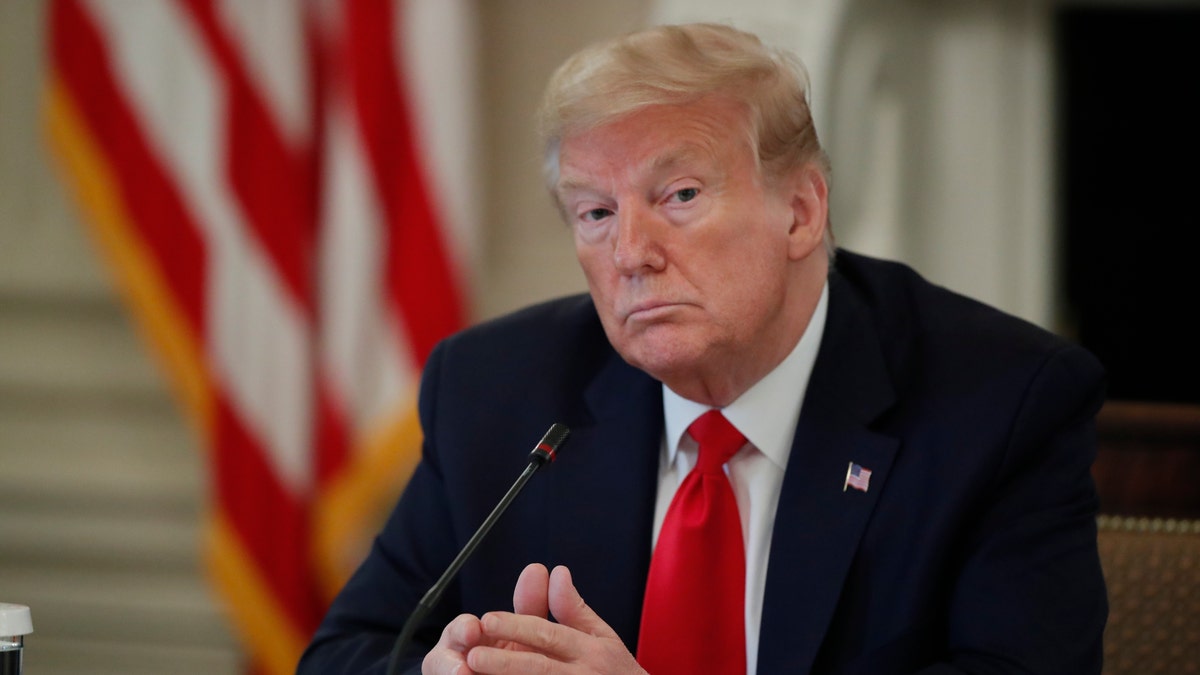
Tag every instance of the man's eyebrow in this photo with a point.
(570, 185)
(669, 159)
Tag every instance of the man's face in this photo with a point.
(687, 251)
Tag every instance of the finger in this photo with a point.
(532, 645)
(445, 662)
(531, 633)
(530, 594)
(462, 633)
(569, 609)
(495, 661)
(449, 655)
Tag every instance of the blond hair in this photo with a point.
(679, 65)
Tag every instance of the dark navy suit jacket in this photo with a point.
(973, 550)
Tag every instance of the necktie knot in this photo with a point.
(719, 440)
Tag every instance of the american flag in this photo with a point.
(857, 477)
(259, 177)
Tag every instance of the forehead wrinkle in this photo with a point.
(680, 155)
(697, 146)
(685, 153)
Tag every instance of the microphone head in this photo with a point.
(547, 448)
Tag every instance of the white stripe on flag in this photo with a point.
(269, 38)
(257, 338)
(436, 52)
(367, 364)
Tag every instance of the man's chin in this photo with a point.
(665, 357)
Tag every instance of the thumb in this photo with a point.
(569, 609)
(529, 596)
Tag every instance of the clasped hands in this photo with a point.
(525, 641)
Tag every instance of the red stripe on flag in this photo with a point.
(333, 448)
(154, 204)
(270, 179)
(271, 524)
(421, 284)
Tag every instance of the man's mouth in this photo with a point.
(651, 310)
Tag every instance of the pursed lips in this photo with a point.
(651, 309)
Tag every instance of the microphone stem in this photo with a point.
(434, 594)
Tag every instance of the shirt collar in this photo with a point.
(768, 412)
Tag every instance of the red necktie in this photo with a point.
(693, 618)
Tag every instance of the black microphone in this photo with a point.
(545, 452)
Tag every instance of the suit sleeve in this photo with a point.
(1030, 597)
(406, 558)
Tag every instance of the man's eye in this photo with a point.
(687, 194)
(593, 215)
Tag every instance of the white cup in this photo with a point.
(15, 624)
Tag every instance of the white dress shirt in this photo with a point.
(766, 414)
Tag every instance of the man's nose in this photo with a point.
(639, 244)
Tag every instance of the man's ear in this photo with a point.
(810, 211)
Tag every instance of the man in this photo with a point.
(909, 486)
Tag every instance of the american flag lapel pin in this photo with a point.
(857, 477)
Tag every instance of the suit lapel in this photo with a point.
(602, 496)
(818, 525)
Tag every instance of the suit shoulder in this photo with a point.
(563, 324)
(927, 324)
(556, 345)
